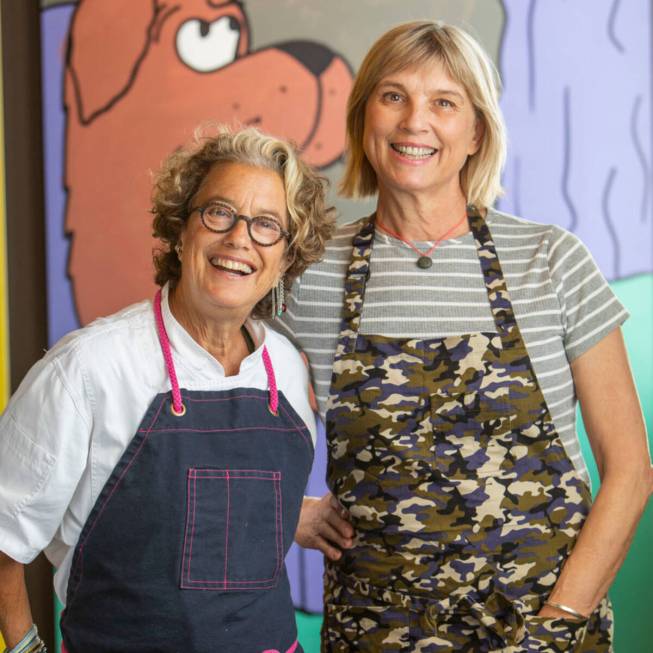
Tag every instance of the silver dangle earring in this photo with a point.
(278, 296)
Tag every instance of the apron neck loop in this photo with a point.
(359, 271)
(177, 407)
(273, 402)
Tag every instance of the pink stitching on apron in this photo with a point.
(226, 529)
(106, 501)
(227, 475)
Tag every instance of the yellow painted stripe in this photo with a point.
(4, 324)
(4, 327)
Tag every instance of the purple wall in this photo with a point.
(577, 101)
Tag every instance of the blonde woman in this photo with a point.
(449, 343)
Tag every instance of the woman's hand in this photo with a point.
(324, 525)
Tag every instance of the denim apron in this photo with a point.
(184, 549)
(464, 501)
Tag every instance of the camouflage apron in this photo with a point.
(464, 501)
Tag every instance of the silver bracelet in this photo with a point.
(567, 609)
(31, 643)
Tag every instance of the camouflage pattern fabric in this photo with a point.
(463, 499)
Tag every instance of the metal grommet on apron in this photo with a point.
(184, 549)
(464, 501)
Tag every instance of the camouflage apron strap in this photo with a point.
(357, 275)
(495, 284)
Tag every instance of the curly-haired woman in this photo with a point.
(159, 455)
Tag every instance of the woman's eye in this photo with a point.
(267, 223)
(392, 97)
(446, 104)
(218, 211)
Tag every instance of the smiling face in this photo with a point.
(420, 127)
(228, 271)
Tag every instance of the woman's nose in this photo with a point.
(415, 117)
(238, 235)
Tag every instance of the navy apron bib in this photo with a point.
(184, 549)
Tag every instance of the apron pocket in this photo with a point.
(233, 536)
(368, 629)
(553, 635)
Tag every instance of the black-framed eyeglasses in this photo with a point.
(220, 218)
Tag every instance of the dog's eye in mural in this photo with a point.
(207, 46)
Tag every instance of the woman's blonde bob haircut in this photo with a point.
(310, 223)
(412, 45)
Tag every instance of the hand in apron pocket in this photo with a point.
(557, 635)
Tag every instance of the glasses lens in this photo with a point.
(265, 230)
(218, 217)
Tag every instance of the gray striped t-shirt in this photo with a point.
(562, 302)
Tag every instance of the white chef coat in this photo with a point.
(77, 409)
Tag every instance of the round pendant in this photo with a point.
(424, 262)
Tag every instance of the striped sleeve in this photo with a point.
(590, 309)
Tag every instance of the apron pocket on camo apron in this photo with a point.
(368, 629)
(233, 534)
(553, 635)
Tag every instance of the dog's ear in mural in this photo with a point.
(135, 25)
(140, 76)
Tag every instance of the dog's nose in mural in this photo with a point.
(140, 77)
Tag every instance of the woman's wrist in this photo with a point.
(30, 643)
(554, 609)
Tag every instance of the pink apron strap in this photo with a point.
(273, 401)
(178, 407)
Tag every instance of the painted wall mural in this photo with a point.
(577, 101)
(127, 81)
(139, 78)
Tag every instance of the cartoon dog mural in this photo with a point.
(580, 148)
(140, 76)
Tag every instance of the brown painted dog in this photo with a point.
(140, 76)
